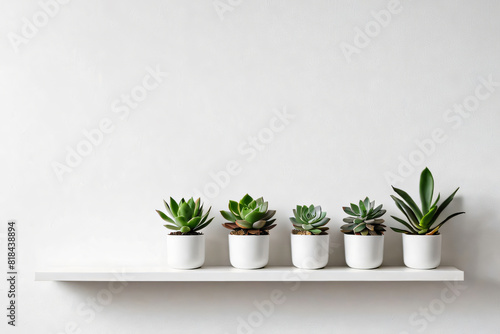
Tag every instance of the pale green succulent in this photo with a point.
(185, 217)
(249, 216)
(364, 219)
(309, 219)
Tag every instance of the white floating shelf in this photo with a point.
(229, 274)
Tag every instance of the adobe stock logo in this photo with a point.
(122, 107)
(372, 29)
(223, 6)
(30, 28)
(426, 147)
(249, 149)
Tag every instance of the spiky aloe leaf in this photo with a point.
(444, 221)
(399, 230)
(426, 190)
(407, 211)
(416, 226)
(443, 206)
(426, 220)
(405, 224)
(437, 200)
(411, 203)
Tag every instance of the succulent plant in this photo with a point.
(422, 220)
(309, 220)
(364, 219)
(249, 216)
(185, 217)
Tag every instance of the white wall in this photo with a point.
(353, 123)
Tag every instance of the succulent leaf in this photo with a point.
(308, 218)
(410, 202)
(165, 217)
(185, 229)
(172, 227)
(426, 190)
(173, 206)
(363, 219)
(249, 216)
(187, 216)
(259, 224)
(421, 221)
(228, 215)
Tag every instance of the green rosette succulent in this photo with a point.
(185, 217)
(364, 219)
(309, 220)
(249, 216)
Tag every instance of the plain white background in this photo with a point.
(354, 122)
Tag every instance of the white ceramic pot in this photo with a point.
(185, 251)
(422, 251)
(310, 251)
(364, 251)
(248, 251)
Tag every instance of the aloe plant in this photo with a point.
(364, 219)
(185, 217)
(422, 220)
(249, 216)
(309, 220)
